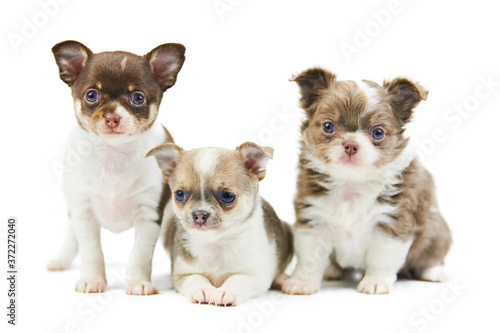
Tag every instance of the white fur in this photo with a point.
(115, 187)
(123, 63)
(229, 267)
(344, 222)
(372, 96)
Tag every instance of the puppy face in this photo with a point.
(117, 93)
(214, 189)
(355, 124)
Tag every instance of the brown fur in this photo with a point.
(236, 171)
(82, 70)
(342, 102)
(280, 232)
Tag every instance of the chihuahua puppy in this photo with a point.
(363, 201)
(116, 99)
(226, 243)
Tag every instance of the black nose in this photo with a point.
(200, 216)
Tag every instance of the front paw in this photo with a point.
(140, 288)
(214, 296)
(375, 286)
(294, 286)
(96, 285)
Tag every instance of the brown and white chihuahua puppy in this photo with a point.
(363, 200)
(226, 243)
(116, 99)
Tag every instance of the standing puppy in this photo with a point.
(226, 242)
(363, 200)
(116, 97)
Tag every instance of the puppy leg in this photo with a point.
(138, 278)
(313, 249)
(238, 288)
(88, 234)
(436, 273)
(66, 254)
(385, 256)
(196, 287)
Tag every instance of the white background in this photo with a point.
(234, 81)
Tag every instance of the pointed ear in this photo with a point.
(166, 156)
(405, 95)
(71, 58)
(255, 158)
(311, 82)
(165, 62)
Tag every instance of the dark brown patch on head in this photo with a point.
(101, 82)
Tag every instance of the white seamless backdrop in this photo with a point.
(234, 87)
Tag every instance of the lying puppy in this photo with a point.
(226, 243)
(363, 200)
(116, 97)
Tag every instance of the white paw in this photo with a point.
(435, 274)
(140, 288)
(370, 285)
(214, 296)
(294, 286)
(96, 285)
(58, 265)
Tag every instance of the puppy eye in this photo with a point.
(227, 197)
(91, 95)
(328, 127)
(137, 98)
(378, 134)
(180, 195)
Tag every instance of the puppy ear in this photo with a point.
(405, 95)
(255, 158)
(166, 156)
(311, 82)
(71, 57)
(165, 62)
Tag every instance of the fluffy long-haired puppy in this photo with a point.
(363, 200)
(226, 243)
(108, 182)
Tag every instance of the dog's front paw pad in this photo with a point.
(373, 286)
(435, 274)
(96, 285)
(57, 265)
(294, 286)
(140, 288)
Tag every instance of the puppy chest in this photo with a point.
(348, 221)
(117, 189)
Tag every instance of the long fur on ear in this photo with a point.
(165, 62)
(405, 96)
(166, 156)
(311, 83)
(71, 57)
(255, 158)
